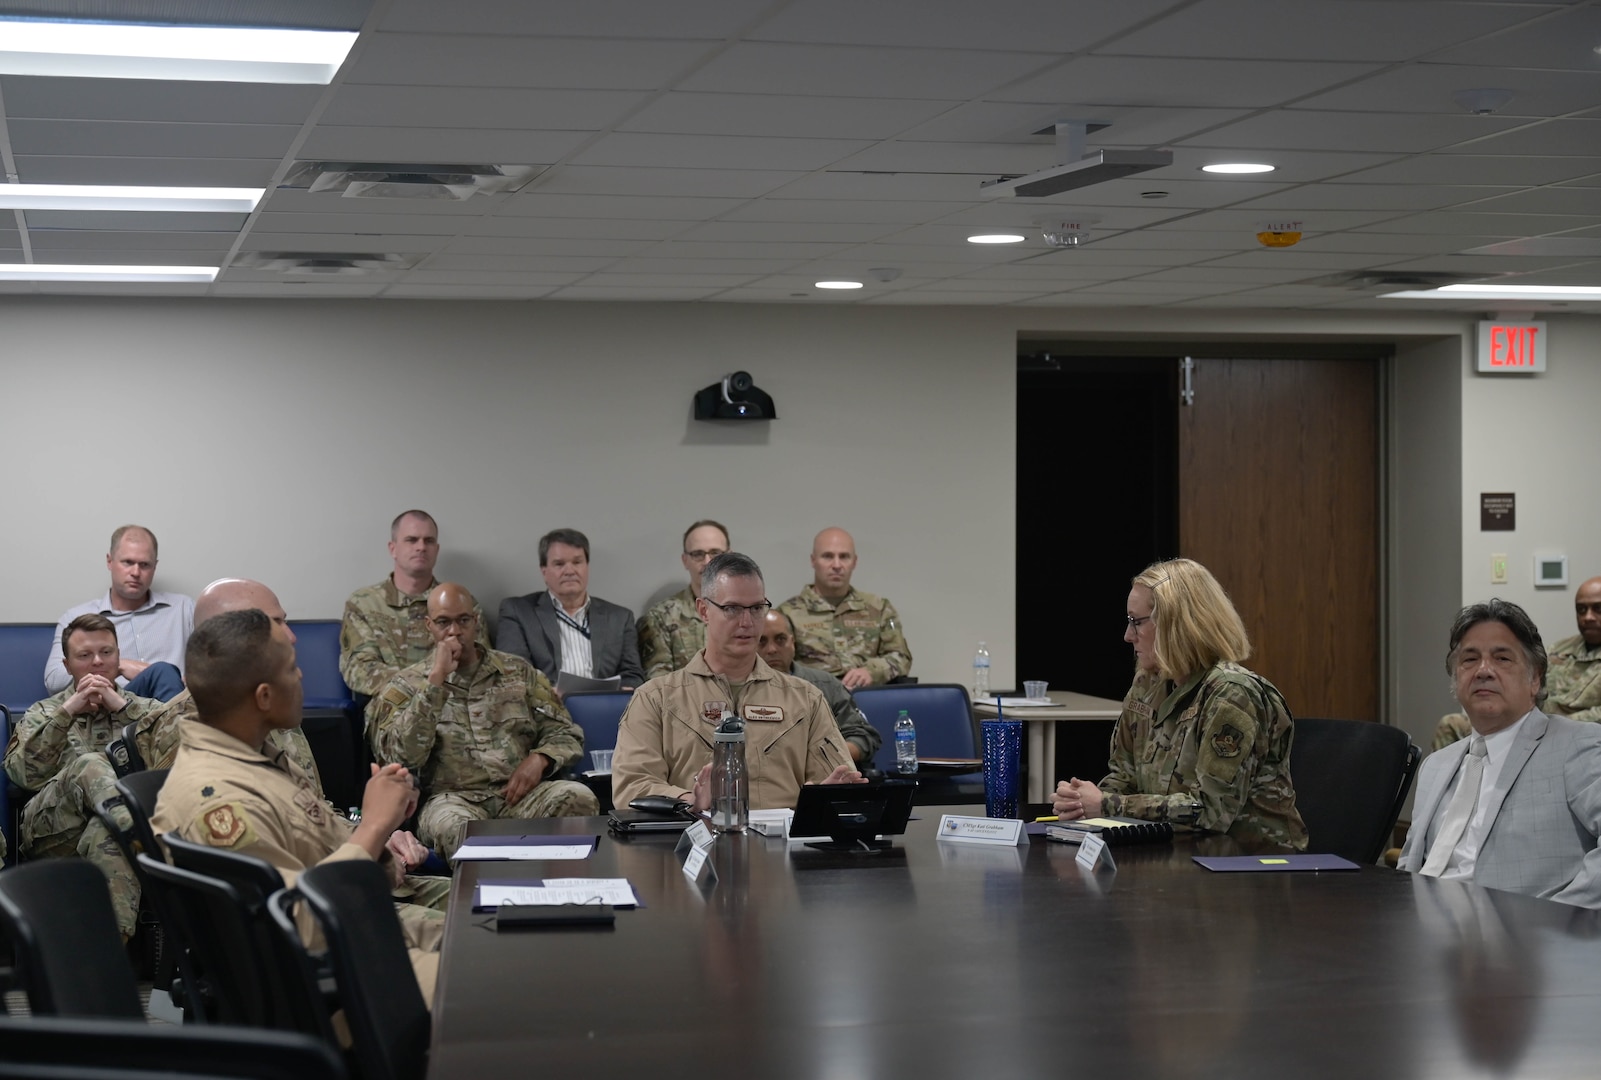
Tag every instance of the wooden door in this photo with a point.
(1279, 498)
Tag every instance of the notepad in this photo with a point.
(1111, 830)
(1267, 863)
(490, 895)
(505, 848)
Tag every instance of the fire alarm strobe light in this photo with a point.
(1278, 234)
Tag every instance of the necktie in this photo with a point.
(1457, 814)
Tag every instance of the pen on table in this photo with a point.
(1048, 817)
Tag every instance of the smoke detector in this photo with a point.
(1483, 101)
(395, 180)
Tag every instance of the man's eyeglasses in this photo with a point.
(1135, 624)
(734, 611)
(710, 553)
(463, 622)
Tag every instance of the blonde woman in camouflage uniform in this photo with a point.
(1202, 742)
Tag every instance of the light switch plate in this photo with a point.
(1498, 569)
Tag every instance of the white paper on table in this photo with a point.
(502, 852)
(614, 891)
(772, 822)
(1018, 702)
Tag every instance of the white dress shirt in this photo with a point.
(1496, 747)
(576, 657)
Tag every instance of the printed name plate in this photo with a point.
(982, 830)
(698, 868)
(697, 836)
(1093, 854)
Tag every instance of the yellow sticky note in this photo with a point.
(1274, 862)
(1103, 822)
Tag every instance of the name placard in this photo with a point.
(1093, 854)
(982, 830)
(698, 868)
(698, 835)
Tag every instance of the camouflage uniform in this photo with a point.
(1572, 689)
(670, 634)
(225, 794)
(63, 760)
(665, 737)
(1212, 753)
(862, 630)
(853, 725)
(156, 737)
(386, 630)
(466, 738)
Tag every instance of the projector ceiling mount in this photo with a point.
(1078, 169)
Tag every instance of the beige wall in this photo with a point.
(276, 440)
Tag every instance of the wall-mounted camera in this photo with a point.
(736, 397)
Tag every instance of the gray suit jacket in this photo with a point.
(528, 627)
(1544, 812)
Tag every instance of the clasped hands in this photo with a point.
(94, 691)
(1075, 799)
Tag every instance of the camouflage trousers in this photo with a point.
(60, 821)
(442, 822)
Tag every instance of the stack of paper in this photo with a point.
(501, 848)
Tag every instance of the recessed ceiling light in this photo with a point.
(1500, 292)
(1238, 167)
(104, 50)
(108, 272)
(838, 284)
(997, 238)
(111, 197)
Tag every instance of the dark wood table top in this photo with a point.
(953, 960)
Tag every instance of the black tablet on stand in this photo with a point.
(854, 816)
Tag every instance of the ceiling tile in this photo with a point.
(856, 71)
(1565, 40)
(777, 209)
(1031, 25)
(688, 182)
(788, 116)
(1553, 138)
(1313, 197)
(125, 221)
(188, 172)
(429, 145)
(540, 202)
(1428, 88)
(408, 291)
(712, 19)
(38, 98)
(1306, 129)
(479, 107)
(1480, 169)
(524, 245)
(745, 232)
(448, 59)
(1319, 29)
(638, 149)
(115, 138)
(1216, 84)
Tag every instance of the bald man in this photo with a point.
(850, 634)
(482, 728)
(1573, 680)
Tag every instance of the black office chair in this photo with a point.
(157, 950)
(69, 955)
(943, 716)
(52, 1048)
(388, 1018)
(219, 902)
(1351, 779)
(140, 791)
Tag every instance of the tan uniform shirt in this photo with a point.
(225, 794)
(666, 734)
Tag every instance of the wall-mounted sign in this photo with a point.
(1511, 348)
(1498, 511)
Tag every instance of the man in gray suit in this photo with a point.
(1518, 805)
(566, 629)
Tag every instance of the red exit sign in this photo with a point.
(1511, 348)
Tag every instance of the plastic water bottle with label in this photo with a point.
(981, 673)
(905, 744)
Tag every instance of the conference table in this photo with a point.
(1040, 721)
(943, 959)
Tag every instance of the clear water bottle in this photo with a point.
(730, 786)
(981, 672)
(905, 744)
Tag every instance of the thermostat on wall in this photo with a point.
(1550, 570)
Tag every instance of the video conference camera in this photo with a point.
(736, 397)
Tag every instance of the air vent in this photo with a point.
(1379, 280)
(323, 263)
(398, 180)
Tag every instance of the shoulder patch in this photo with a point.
(225, 825)
(1228, 741)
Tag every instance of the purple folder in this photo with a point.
(1238, 863)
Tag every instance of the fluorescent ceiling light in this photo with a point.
(112, 197)
(110, 272)
(100, 50)
(1240, 167)
(996, 238)
(1500, 292)
(839, 284)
